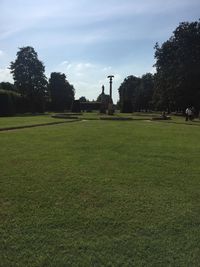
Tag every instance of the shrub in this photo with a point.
(10, 103)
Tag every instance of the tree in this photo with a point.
(83, 99)
(61, 92)
(127, 93)
(29, 77)
(177, 82)
(145, 92)
(10, 102)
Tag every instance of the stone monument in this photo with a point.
(104, 99)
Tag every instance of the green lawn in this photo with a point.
(26, 120)
(101, 193)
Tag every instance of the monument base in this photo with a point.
(111, 109)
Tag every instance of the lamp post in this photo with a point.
(110, 77)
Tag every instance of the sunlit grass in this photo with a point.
(15, 121)
(101, 193)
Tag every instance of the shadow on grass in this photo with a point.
(36, 125)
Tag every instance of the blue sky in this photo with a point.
(89, 40)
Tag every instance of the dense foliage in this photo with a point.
(7, 86)
(177, 83)
(61, 92)
(136, 93)
(83, 99)
(29, 78)
(9, 102)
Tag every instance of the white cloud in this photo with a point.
(83, 66)
(106, 69)
(88, 78)
(78, 15)
(5, 75)
(153, 70)
(65, 62)
(20, 15)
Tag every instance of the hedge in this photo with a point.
(10, 102)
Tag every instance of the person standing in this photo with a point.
(187, 114)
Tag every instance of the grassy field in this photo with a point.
(25, 120)
(101, 193)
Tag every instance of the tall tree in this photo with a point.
(145, 92)
(61, 91)
(177, 82)
(29, 78)
(128, 92)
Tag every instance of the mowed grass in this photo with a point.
(101, 193)
(15, 121)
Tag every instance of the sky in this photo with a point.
(90, 39)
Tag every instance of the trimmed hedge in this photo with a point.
(12, 102)
(8, 102)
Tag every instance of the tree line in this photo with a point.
(31, 91)
(174, 87)
(176, 83)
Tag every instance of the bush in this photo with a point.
(127, 106)
(12, 103)
(8, 101)
(76, 106)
